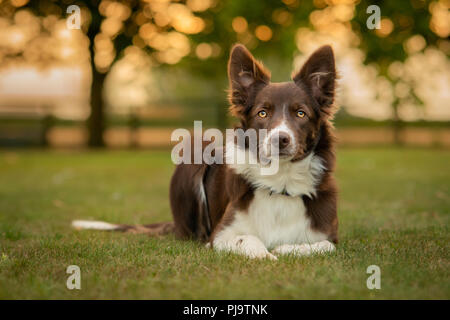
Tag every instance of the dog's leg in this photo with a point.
(304, 249)
(247, 245)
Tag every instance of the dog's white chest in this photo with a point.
(275, 220)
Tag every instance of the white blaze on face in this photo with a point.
(274, 134)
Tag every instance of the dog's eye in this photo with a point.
(262, 114)
(301, 114)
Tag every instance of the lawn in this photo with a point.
(394, 211)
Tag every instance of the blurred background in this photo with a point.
(137, 70)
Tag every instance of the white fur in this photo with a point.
(297, 178)
(247, 245)
(201, 192)
(282, 128)
(275, 220)
(305, 249)
(96, 225)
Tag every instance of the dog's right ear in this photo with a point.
(247, 76)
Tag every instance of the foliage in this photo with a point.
(196, 35)
(139, 23)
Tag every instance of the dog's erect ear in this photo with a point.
(319, 75)
(246, 76)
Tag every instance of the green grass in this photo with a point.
(394, 211)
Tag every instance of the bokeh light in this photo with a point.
(400, 71)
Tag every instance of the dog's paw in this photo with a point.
(323, 246)
(295, 249)
(304, 249)
(252, 247)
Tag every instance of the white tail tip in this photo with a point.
(96, 225)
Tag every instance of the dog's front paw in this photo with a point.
(323, 246)
(304, 249)
(295, 249)
(252, 247)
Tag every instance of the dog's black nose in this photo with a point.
(283, 140)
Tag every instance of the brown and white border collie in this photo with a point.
(233, 207)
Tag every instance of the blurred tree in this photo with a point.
(406, 27)
(400, 20)
(197, 34)
(162, 28)
(112, 26)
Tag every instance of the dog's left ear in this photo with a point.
(247, 76)
(318, 74)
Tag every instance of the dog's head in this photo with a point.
(291, 112)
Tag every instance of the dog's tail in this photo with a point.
(155, 229)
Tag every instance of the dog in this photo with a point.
(233, 207)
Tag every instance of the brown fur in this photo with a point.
(226, 192)
(312, 91)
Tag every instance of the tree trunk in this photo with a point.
(96, 122)
(397, 125)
